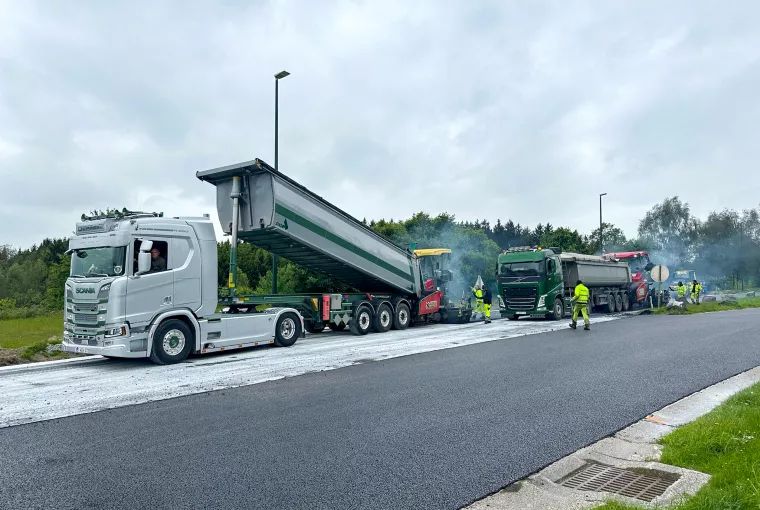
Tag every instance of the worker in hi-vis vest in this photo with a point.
(486, 304)
(580, 302)
(696, 290)
(681, 289)
(478, 293)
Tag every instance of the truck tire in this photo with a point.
(310, 328)
(337, 327)
(610, 303)
(172, 342)
(626, 301)
(401, 317)
(559, 310)
(618, 302)
(361, 322)
(288, 330)
(383, 318)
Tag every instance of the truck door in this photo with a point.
(151, 293)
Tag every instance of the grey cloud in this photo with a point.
(483, 109)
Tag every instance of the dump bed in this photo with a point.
(594, 271)
(284, 218)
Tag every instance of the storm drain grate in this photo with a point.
(596, 477)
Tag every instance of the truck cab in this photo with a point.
(142, 285)
(530, 282)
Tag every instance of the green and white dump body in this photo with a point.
(539, 282)
(115, 306)
(281, 216)
(286, 219)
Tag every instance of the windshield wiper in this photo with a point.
(99, 274)
(77, 276)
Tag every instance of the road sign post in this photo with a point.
(659, 274)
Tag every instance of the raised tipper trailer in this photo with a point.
(395, 287)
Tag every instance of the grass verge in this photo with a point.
(724, 443)
(711, 306)
(27, 339)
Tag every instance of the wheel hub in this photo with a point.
(173, 342)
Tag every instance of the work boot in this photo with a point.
(587, 327)
(572, 325)
(488, 321)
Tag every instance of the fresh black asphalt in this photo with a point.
(435, 430)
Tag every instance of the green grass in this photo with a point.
(724, 443)
(711, 306)
(21, 333)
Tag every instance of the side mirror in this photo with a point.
(146, 246)
(143, 261)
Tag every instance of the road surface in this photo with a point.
(435, 430)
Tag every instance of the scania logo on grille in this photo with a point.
(85, 290)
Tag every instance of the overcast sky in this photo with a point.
(484, 109)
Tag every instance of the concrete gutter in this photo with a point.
(632, 447)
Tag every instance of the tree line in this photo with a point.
(724, 250)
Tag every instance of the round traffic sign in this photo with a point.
(660, 273)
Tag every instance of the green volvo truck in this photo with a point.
(539, 282)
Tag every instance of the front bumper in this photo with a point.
(129, 345)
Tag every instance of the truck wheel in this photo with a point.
(383, 318)
(310, 328)
(401, 317)
(172, 342)
(361, 322)
(337, 327)
(559, 310)
(626, 301)
(610, 303)
(618, 302)
(288, 330)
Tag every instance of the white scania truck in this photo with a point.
(122, 302)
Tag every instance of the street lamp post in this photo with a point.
(277, 78)
(601, 244)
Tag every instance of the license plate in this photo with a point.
(520, 313)
(537, 315)
(82, 350)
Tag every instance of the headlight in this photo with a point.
(70, 317)
(542, 300)
(117, 331)
(104, 290)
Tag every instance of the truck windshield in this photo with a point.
(521, 269)
(104, 261)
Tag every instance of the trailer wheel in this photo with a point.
(288, 330)
(383, 318)
(337, 327)
(559, 309)
(361, 322)
(172, 342)
(401, 317)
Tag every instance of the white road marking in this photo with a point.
(78, 389)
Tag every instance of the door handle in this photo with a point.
(167, 300)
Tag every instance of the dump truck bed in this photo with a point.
(593, 271)
(284, 218)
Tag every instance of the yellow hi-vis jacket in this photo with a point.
(581, 294)
(479, 294)
(681, 289)
(696, 290)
